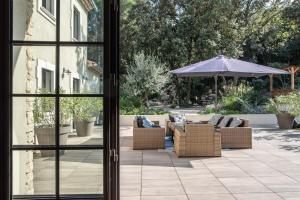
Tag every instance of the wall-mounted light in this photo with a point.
(65, 71)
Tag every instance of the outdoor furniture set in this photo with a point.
(204, 138)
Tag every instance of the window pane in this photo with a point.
(85, 115)
(76, 86)
(76, 24)
(91, 20)
(34, 121)
(81, 172)
(33, 174)
(86, 65)
(28, 65)
(34, 21)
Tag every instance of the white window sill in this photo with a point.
(49, 16)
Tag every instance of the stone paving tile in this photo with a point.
(211, 197)
(226, 170)
(177, 197)
(257, 196)
(148, 183)
(129, 191)
(163, 190)
(187, 173)
(278, 180)
(205, 181)
(243, 185)
(285, 188)
(130, 198)
(195, 189)
(290, 195)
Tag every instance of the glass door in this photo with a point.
(63, 134)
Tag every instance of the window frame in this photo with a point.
(76, 12)
(78, 85)
(110, 97)
(45, 79)
(50, 16)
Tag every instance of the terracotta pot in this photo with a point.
(285, 120)
(46, 136)
(84, 127)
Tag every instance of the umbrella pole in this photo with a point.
(216, 90)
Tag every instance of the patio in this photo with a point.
(268, 171)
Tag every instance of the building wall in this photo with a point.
(31, 23)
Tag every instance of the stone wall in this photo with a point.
(29, 189)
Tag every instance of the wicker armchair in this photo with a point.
(238, 137)
(197, 140)
(148, 138)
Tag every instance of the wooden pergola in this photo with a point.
(293, 70)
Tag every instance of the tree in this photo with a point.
(144, 77)
(181, 32)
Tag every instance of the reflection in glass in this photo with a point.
(81, 172)
(34, 121)
(81, 21)
(86, 115)
(81, 70)
(33, 69)
(33, 174)
(34, 21)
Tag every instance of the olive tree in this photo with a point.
(145, 76)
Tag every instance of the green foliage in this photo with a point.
(131, 105)
(144, 77)
(181, 32)
(78, 108)
(289, 103)
(243, 98)
(85, 108)
(44, 112)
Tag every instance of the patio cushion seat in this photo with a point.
(237, 137)
(197, 140)
(148, 138)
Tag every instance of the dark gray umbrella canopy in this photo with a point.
(224, 66)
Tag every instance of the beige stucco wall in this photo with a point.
(31, 23)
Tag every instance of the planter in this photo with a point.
(285, 120)
(84, 127)
(46, 136)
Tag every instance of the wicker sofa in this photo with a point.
(197, 140)
(237, 137)
(148, 138)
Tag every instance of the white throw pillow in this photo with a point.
(224, 122)
(236, 122)
(215, 119)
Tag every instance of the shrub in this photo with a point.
(131, 105)
(146, 76)
(289, 103)
(243, 99)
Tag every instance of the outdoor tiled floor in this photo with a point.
(81, 171)
(269, 171)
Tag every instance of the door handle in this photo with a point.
(114, 155)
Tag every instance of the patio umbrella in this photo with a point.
(225, 66)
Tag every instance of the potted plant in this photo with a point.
(286, 108)
(44, 123)
(84, 111)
